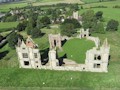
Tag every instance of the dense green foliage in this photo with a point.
(93, 21)
(99, 15)
(29, 28)
(67, 29)
(35, 33)
(112, 25)
(45, 20)
(72, 21)
(21, 26)
(13, 39)
(88, 19)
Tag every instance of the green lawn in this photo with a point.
(108, 13)
(76, 49)
(14, 77)
(108, 4)
(89, 1)
(6, 7)
(6, 26)
(92, 1)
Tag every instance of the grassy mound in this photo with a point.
(75, 49)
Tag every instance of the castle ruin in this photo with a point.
(96, 59)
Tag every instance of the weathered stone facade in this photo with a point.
(96, 59)
(55, 41)
(28, 54)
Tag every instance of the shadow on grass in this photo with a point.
(3, 54)
(63, 42)
(109, 58)
(44, 56)
(61, 59)
(42, 34)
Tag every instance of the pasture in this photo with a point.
(7, 26)
(7, 7)
(14, 78)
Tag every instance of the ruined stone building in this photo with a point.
(96, 59)
(28, 54)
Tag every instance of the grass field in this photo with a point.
(108, 4)
(26, 79)
(89, 1)
(50, 2)
(12, 76)
(77, 48)
(6, 7)
(6, 26)
(108, 13)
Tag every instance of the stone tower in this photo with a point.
(75, 15)
(55, 41)
(52, 58)
(28, 54)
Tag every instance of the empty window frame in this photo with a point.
(97, 65)
(97, 57)
(26, 63)
(35, 55)
(25, 55)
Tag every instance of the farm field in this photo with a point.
(14, 78)
(6, 7)
(108, 4)
(6, 26)
(106, 13)
(47, 2)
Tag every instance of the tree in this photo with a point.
(112, 25)
(13, 39)
(29, 28)
(45, 20)
(72, 21)
(67, 29)
(74, 7)
(88, 19)
(99, 15)
(21, 26)
(35, 33)
(39, 24)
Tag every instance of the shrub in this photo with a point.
(112, 25)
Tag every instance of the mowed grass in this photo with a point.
(12, 76)
(51, 2)
(108, 13)
(6, 7)
(108, 4)
(5, 26)
(75, 49)
(89, 1)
